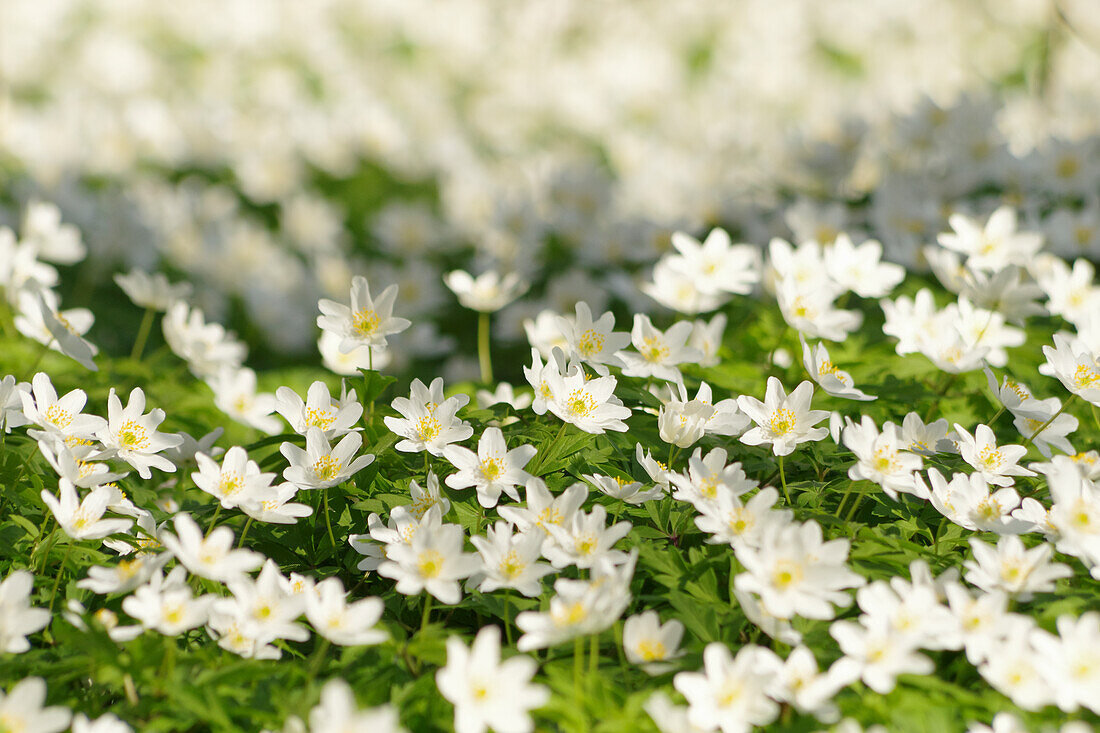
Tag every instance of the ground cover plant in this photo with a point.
(549, 365)
(789, 513)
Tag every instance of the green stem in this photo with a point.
(247, 526)
(38, 359)
(544, 457)
(328, 520)
(578, 664)
(60, 572)
(593, 658)
(619, 648)
(427, 612)
(484, 358)
(507, 616)
(214, 519)
(1053, 417)
(783, 480)
(855, 506)
(844, 499)
(996, 415)
(143, 333)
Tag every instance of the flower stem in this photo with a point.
(1053, 417)
(60, 572)
(844, 499)
(427, 612)
(328, 521)
(214, 519)
(143, 333)
(578, 663)
(593, 657)
(247, 526)
(783, 480)
(507, 616)
(483, 356)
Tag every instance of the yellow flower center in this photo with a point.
(230, 483)
(511, 566)
(319, 418)
(429, 564)
(569, 615)
(327, 468)
(549, 515)
(491, 469)
(651, 650)
(782, 421)
(654, 350)
(590, 343)
(884, 460)
(585, 544)
(1086, 377)
(786, 574)
(991, 458)
(58, 417)
(428, 428)
(132, 436)
(740, 521)
(365, 323)
(580, 403)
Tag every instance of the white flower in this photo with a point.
(488, 292)
(543, 509)
(40, 317)
(967, 501)
(579, 607)
(42, 229)
(995, 465)
(683, 423)
(235, 394)
(206, 347)
(584, 540)
(22, 709)
(83, 520)
(321, 465)
(1012, 666)
(706, 338)
(1075, 368)
(11, 403)
(511, 560)
(428, 421)
(881, 460)
(730, 692)
(834, 381)
(860, 268)
(593, 342)
(651, 644)
(1012, 568)
(782, 421)
(981, 619)
(658, 352)
(486, 692)
(350, 364)
(236, 481)
(813, 313)
(492, 469)
(131, 571)
(60, 418)
(133, 436)
(994, 246)
(795, 573)
(212, 556)
(338, 711)
(318, 410)
(165, 604)
(504, 393)
(153, 292)
(1034, 414)
(18, 619)
(877, 654)
(799, 682)
(589, 404)
(1071, 660)
(340, 622)
(433, 561)
(624, 489)
(274, 505)
(679, 291)
(728, 519)
(367, 322)
(716, 265)
(108, 723)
